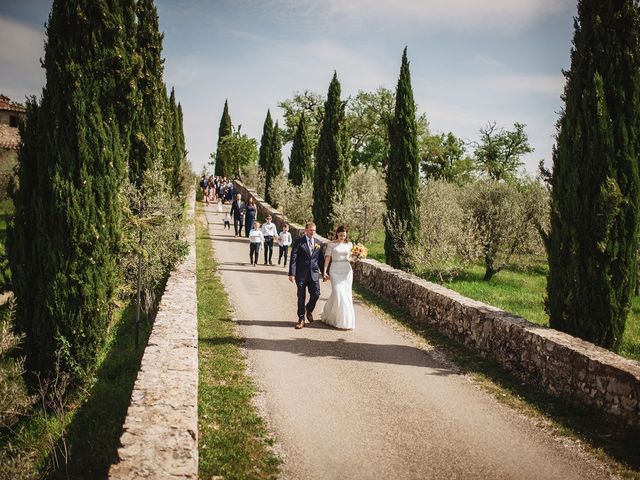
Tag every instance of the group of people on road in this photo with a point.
(261, 237)
(309, 262)
(216, 189)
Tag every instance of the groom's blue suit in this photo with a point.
(305, 265)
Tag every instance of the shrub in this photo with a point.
(504, 216)
(365, 188)
(447, 241)
(294, 202)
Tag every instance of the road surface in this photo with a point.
(374, 403)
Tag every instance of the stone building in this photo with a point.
(11, 114)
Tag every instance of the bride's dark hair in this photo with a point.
(340, 229)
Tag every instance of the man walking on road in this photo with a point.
(237, 210)
(306, 264)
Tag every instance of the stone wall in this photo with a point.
(564, 366)
(160, 437)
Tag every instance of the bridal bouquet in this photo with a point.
(359, 251)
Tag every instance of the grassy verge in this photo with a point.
(612, 443)
(81, 442)
(233, 440)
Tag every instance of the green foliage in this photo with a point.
(445, 158)
(594, 207)
(275, 165)
(368, 118)
(447, 241)
(294, 201)
(402, 222)
(502, 218)
(224, 130)
(362, 209)
(265, 142)
(154, 233)
(499, 152)
(175, 159)
(150, 106)
(63, 245)
(309, 104)
(301, 160)
(14, 398)
(332, 162)
(239, 150)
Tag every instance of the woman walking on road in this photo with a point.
(251, 211)
(338, 311)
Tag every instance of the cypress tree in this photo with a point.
(148, 129)
(175, 155)
(275, 166)
(265, 142)
(64, 244)
(224, 129)
(402, 173)
(594, 204)
(300, 162)
(332, 161)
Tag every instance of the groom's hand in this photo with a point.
(292, 278)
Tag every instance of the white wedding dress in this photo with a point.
(338, 311)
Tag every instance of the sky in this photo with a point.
(472, 62)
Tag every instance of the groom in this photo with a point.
(305, 266)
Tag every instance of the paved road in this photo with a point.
(373, 403)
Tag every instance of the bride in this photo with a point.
(338, 311)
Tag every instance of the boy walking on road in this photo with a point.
(269, 231)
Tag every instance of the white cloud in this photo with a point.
(521, 84)
(22, 47)
(485, 15)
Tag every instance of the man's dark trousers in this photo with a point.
(314, 293)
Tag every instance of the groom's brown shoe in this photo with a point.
(300, 325)
(309, 316)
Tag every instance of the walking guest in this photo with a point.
(227, 221)
(237, 210)
(256, 240)
(269, 231)
(250, 215)
(284, 240)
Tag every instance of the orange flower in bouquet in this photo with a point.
(359, 251)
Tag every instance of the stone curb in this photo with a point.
(160, 434)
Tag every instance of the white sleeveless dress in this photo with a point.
(338, 311)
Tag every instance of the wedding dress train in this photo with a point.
(338, 310)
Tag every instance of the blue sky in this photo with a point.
(471, 61)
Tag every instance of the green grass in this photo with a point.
(520, 291)
(233, 439)
(606, 439)
(94, 417)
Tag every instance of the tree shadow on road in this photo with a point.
(342, 349)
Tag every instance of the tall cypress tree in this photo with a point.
(175, 155)
(275, 165)
(402, 173)
(225, 129)
(65, 240)
(332, 161)
(301, 161)
(149, 122)
(265, 142)
(594, 205)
